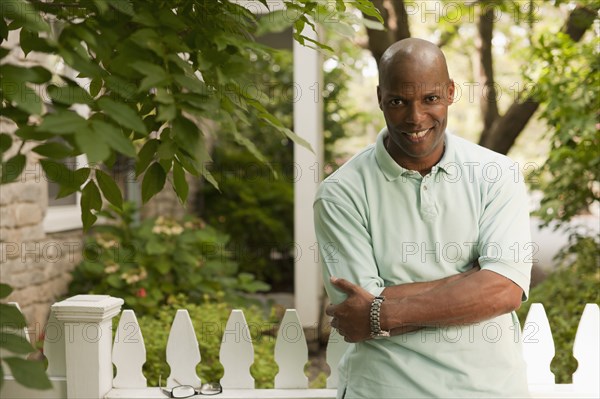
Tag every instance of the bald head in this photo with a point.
(415, 53)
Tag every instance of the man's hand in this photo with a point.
(351, 317)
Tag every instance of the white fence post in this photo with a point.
(88, 341)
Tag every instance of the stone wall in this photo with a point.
(34, 263)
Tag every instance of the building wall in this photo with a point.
(34, 263)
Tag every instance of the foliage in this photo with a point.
(568, 77)
(209, 320)
(255, 202)
(15, 348)
(147, 264)
(145, 72)
(564, 294)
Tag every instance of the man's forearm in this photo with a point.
(476, 297)
(410, 289)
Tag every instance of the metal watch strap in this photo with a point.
(374, 317)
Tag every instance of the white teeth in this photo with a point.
(418, 134)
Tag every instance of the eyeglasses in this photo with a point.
(187, 391)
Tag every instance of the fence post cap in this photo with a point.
(87, 308)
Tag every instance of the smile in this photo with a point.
(416, 136)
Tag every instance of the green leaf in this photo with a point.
(30, 373)
(186, 135)
(95, 87)
(122, 114)
(32, 133)
(179, 182)
(90, 199)
(114, 137)
(69, 94)
(5, 290)
(15, 343)
(153, 182)
(146, 155)
(63, 122)
(93, 145)
(24, 13)
(109, 188)
(30, 41)
(23, 96)
(123, 6)
(14, 73)
(277, 21)
(12, 168)
(54, 150)
(79, 177)
(5, 142)
(11, 317)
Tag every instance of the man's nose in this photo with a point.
(416, 114)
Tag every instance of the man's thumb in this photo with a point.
(342, 284)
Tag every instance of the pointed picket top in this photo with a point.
(336, 347)
(54, 346)
(291, 353)
(183, 353)
(538, 346)
(237, 353)
(129, 353)
(586, 349)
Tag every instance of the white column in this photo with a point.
(308, 124)
(88, 343)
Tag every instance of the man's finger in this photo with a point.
(330, 310)
(343, 285)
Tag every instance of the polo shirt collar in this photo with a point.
(392, 170)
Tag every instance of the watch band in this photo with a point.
(374, 317)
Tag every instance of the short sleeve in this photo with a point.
(346, 249)
(505, 245)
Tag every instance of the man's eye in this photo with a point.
(433, 99)
(396, 101)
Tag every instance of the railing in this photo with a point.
(81, 352)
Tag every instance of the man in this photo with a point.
(439, 228)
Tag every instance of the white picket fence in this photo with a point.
(81, 353)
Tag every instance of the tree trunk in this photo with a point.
(488, 101)
(504, 131)
(396, 26)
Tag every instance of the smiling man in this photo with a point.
(426, 248)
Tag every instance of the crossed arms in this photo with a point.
(464, 298)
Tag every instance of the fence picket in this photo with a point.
(237, 353)
(183, 353)
(336, 346)
(538, 346)
(129, 353)
(291, 353)
(54, 346)
(586, 349)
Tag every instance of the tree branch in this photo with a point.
(505, 130)
(402, 28)
(379, 40)
(488, 99)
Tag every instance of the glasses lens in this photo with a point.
(211, 388)
(183, 391)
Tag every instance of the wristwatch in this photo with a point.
(374, 317)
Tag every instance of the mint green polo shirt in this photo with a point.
(380, 225)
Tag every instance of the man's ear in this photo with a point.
(451, 90)
(379, 98)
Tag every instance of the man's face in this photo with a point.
(414, 99)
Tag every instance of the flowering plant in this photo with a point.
(150, 262)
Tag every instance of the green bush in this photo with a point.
(564, 294)
(209, 320)
(148, 263)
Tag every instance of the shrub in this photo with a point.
(148, 263)
(564, 294)
(205, 316)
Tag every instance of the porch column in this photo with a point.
(308, 166)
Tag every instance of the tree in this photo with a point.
(146, 73)
(500, 130)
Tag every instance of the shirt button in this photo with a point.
(425, 188)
